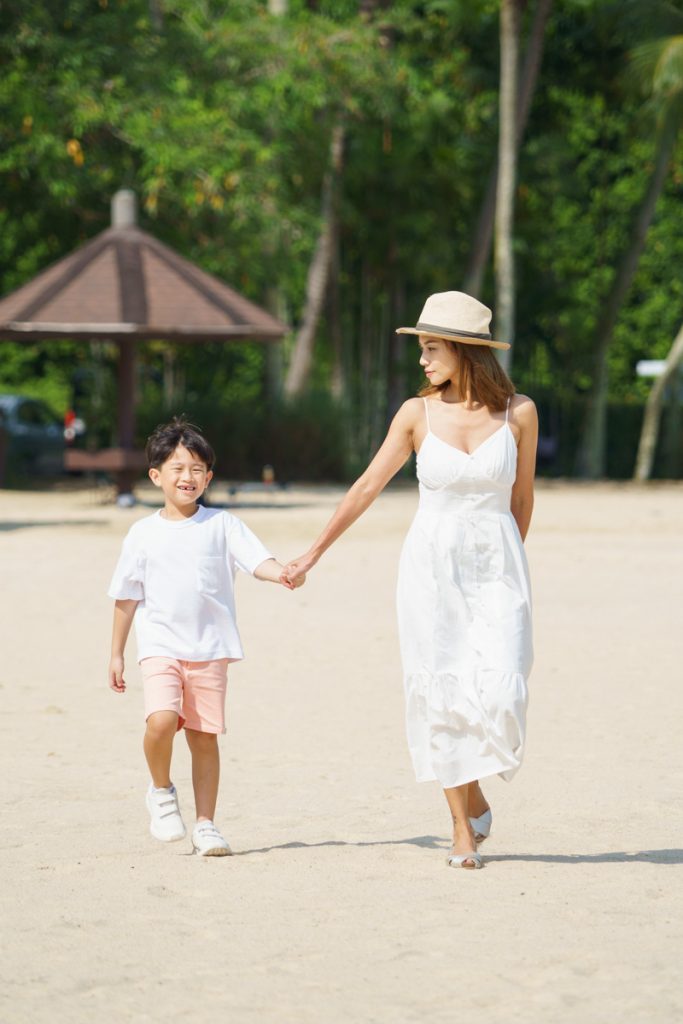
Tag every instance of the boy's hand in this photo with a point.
(116, 680)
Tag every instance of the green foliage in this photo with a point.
(304, 441)
(41, 371)
(221, 121)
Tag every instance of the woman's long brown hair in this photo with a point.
(479, 374)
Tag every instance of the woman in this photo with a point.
(464, 605)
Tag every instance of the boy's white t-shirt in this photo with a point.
(182, 573)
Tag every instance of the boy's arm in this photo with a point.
(123, 618)
(272, 571)
(251, 556)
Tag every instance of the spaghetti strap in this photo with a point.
(429, 426)
(507, 409)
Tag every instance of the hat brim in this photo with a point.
(454, 337)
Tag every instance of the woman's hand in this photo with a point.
(294, 572)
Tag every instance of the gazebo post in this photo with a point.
(125, 478)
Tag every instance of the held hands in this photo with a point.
(294, 574)
(116, 680)
(294, 581)
(272, 571)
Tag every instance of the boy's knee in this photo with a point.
(161, 724)
(201, 740)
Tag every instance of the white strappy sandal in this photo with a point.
(481, 826)
(470, 861)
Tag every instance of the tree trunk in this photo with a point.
(169, 376)
(672, 438)
(396, 392)
(318, 273)
(483, 234)
(591, 457)
(156, 15)
(653, 411)
(507, 174)
(334, 317)
(273, 362)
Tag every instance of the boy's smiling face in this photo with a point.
(183, 478)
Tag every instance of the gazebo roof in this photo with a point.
(126, 284)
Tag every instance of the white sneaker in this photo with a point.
(208, 842)
(166, 823)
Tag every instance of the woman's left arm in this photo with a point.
(522, 500)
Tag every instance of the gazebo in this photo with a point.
(125, 286)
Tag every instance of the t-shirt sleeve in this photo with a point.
(244, 547)
(128, 581)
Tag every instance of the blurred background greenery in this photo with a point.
(224, 118)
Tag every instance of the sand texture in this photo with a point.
(338, 906)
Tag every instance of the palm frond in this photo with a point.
(657, 67)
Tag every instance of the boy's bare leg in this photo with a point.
(205, 771)
(158, 746)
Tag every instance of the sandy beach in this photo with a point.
(338, 906)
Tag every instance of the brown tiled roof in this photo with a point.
(124, 283)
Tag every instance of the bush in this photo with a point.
(302, 440)
(561, 421)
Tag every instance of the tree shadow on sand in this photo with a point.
(613, 857)
(428, 842)
(672, 856)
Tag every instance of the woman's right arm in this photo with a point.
(395, 449)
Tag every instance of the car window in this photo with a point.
(32, 414)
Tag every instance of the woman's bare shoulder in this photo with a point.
(523, 409)
(411, 409)
(414, 404)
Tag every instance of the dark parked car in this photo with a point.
(33, 436)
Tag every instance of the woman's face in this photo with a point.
(438, 359)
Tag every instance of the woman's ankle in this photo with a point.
(463, 835)
(477, 802)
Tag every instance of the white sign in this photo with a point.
(650, 367)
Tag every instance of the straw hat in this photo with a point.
(455, 316)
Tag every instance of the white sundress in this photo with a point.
(464, 613)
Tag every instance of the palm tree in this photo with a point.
(658, 66)
(301, 362)
(510, 13)
(322, 263)
(653, 410)
(483, 232)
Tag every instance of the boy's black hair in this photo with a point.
(163, 442)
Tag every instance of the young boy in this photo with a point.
(175, 578)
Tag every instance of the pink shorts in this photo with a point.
(195, 690)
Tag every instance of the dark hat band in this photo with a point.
(433, 329)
